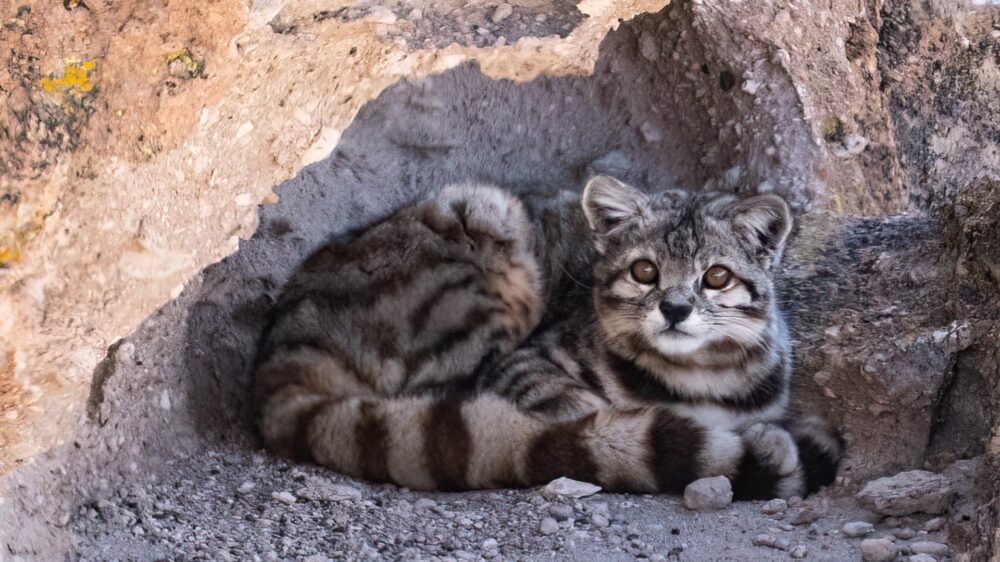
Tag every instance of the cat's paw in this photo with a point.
(770, 467)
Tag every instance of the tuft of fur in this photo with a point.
(473, 341)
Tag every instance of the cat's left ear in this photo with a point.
(609, 203)
(765, 221)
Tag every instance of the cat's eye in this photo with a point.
(644, 271)
(717, 277)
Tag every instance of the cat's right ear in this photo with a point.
(609, 203)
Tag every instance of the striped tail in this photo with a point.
(481, 441)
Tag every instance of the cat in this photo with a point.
(476, 339)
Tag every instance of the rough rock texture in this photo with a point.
(708, 493)
(914, 491)
(136, 142)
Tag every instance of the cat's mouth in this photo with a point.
(674, 331)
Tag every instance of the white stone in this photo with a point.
(284, 497)
(878, 550)
(318, 489)
(548, 526)
(569, 488)
(502, 12)
(857, 528)
(774, 506)
(708, 494)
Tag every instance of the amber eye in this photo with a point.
(717, 277)
(644, 272)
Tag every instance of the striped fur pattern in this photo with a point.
(473, 341)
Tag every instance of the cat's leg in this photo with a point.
(539, 386)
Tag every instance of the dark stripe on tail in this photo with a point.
(447, 445)
(818, 464)
(561, 451)
(301, 449)
(755, 481)
(674, 444)
(372, 441)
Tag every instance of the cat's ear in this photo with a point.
(609, 203)
(765, 221)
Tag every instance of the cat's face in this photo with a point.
(679, 274)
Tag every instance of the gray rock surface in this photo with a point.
(913, 491)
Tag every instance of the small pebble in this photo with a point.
(246, 487)
(922, 558)
(774, 506)
(600, 520)
(425, 503)
(708, 494)
(561, 511)
(878, 550)
(934, 525)
(855, 529)
(284, 497)
(803, 516)
(798, 551)
(548, 526)
(771, 541)
(502, 12)
(794, 501)
(931, 548)
(905, 533)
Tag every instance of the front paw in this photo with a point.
(770, 466)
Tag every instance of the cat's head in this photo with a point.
(680, 275)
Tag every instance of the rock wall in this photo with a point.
(138, 142)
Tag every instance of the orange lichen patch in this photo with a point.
(75, 78)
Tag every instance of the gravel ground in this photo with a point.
(237, 505)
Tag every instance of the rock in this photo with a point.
(921, 558)
(934, 525)
(650, 132)
(561, 511)
(855, 529)
(771, 541)
(600, 520)
(908, 492)
(648, 47)
(548, 526)
(798, 551)
(317, 489)
(802, 515)
(502, 12)
(569, 488)
(929, 547)
(774, 506)
(246, 487)
(904, 533)
(708, 494)
(425, 503)
(284, 497)
(878, 550)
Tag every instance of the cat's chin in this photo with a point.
(677, 343)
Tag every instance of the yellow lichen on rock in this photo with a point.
(75, 78)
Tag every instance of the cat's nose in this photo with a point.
(675, 312)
